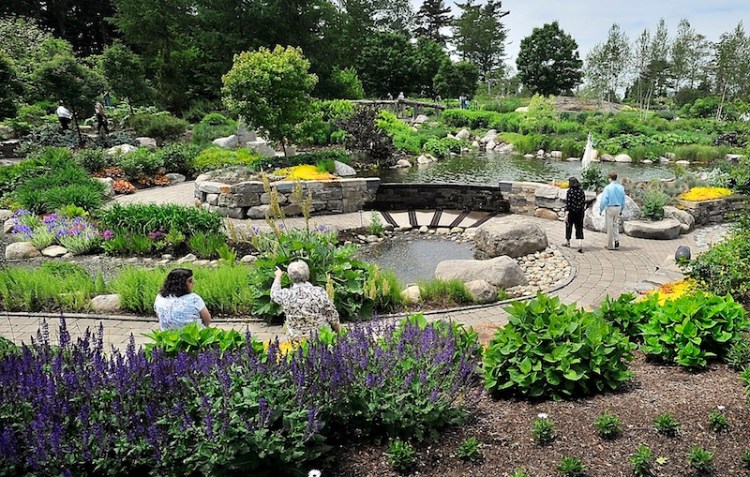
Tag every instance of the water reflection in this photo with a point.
(480, 168)
(416, 259)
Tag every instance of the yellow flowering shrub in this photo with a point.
(561, 184)
(305, 172)
(673, 290)
(699, 194)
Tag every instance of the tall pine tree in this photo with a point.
(479, 34)
(432, 18)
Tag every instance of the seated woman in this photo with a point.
(307, 307)
(176, 305)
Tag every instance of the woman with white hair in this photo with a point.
(307, 307)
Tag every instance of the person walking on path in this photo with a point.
(64, 116)
(176, 305)
(575, 206)
(613, 201)
(306, 307)
(101, 119)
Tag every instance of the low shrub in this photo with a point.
(608, 425)
(640, 462)
(592, 178)
(51, 180)
(48, 288)
(206, 245)
(244, 410)
(701, 461)
(469, 450)
(146, 218)
(738, 356)
(195, 337)
(628, 314)
(700, 153)
(401, 455)
(157, 125)
(724, 268)
(718, 421)
(550, 350)
(691, 329)
(666, 425)
(212, 126)
(571, 467)
(93, 160)
(217, 158)
(123, 187)
(139, 162)
(699, 194)
(443, 147)
(178, 157)
(543, 430)
(654, 201)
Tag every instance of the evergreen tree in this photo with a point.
(548, 61)
(479, 34)
(433, 17)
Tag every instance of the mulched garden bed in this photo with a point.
(504, 429)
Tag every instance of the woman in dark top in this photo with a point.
(574, 210)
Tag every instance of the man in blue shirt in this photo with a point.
(613, 202)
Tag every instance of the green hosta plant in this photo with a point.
(627, 314)
(693, 328)
(194, 337)
(551, 350)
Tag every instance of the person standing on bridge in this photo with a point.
(401, 96)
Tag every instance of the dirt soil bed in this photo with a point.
(504, 429)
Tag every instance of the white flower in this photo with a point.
(314, 473)
(720, 408)
(542, 415)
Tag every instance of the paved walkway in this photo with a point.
(638, 264)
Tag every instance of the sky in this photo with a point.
(589, 20)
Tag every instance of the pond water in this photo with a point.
(490, 169)
(415, 259)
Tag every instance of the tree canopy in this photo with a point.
(548, 61)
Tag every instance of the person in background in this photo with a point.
(389, 97)
(107, 100)
(101, 119)
(613, 201)
(176, 305)
(307, 307)
(575, 206)
(462, 102)
(64, 116)
(401, 96)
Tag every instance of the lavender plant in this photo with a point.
(74, 410)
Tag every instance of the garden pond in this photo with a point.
(415, 259)
(480, 168)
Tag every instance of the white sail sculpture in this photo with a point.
(588, 154)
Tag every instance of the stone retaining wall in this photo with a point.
(249, 199)
(714, 211)
(539, 200)
(441, 196)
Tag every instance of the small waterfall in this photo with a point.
(588, 154)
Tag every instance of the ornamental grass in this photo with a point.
(700, 194)
(71, 409)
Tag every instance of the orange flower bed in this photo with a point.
(123, 187)
(699, 194)
(673, 290)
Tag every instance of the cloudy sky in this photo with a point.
(588, 20)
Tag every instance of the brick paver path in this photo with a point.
(598, 273)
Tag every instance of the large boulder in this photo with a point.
(510, 237)
(8, 147)
(402, 164)
(481, 291)
(607, 158)
(108, 185)
(503, 272)
(148, 142)
(623, 158)
(5, 214)
(106, 303)
(505, 149)
(426, 159)
(685, 218)
(175, 178)
(21, 251)
(489, 136)
(412, 295)
(54, 251)
(229, 142)
(667, 229)
(343, 170)
(121, 149)
(421, 119)
(463, 134)
(593, 220)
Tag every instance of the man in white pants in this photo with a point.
(613, 201)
